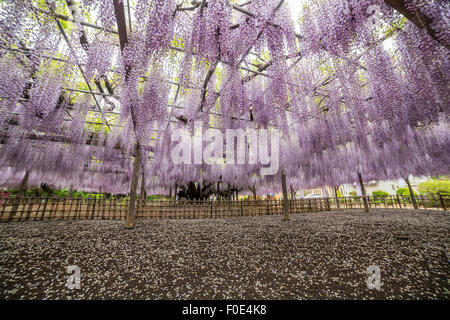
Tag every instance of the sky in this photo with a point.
(296, 7)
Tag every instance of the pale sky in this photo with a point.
(295, 7)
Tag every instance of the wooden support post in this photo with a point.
(70, 208)
(363, 191)
(285, 196)
(94, 202)
(88, 206)
(211, 207)
(30, 208)
(442, 201)
(54, 208)
(39, 200)
(79, 205)
(102, 206)
(5, 202)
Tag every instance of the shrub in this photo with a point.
(154, 197)
(352, 194)
(61, 193)
(434, 187)
(379, 194)
(80, 194)
(404, 192)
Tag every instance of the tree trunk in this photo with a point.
(23, 184)
(411, 192)
(143, 192)
(418, 18)
(363, 191)
(292, 192)
(129, 222)
(285, 196)
(253, 190)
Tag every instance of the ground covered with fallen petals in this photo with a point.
(317, 255)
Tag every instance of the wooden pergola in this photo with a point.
(107, 91)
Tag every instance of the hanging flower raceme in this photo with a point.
(343, 98)
(152, 105)
(12, 85)
(104, 11)
(100, 56)
(335, 25)
(45, 99)
(211, 32)
(157, 19)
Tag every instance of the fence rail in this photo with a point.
(399, 202)
(35, 208)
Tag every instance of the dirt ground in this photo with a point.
(316, 255)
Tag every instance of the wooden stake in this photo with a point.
(442, 201)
